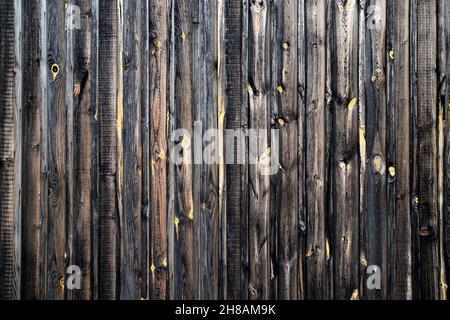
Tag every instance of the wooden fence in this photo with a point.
(350, 97)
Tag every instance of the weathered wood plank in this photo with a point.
(31, 136)
(83, 151)
(144, 246)
(234, 179)
(446, 231)
(7, 148)
(107, 115)
(131, 219)
(414, 151)
(18, 146)
(354, 174)
(301, 98)
(206, 183)
(286, 121)
(375, 219)
(442, 106)
(159, 108)
(221, 103)
(260, 152)
(316, 189)
(185, 249)
(426, 123)
(343, 83)
(56, 173)
(400, 263)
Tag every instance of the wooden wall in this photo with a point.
(350, 97)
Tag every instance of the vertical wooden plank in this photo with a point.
(244, 117)
(426, 123)
(362, 140)
(233, 70)
(343, 51)
(414, 151)
(301, 98)
(43, 218)
(145, 140)
(316, 284)
(442, 105)
(374, 250)
(286, 121)
(400, 262)
(260, 151)
(18, 146)
(31, 151)
(83, 149)
(275, 19)
(107, 101)
(206, 183)
(221, 102)
(56, 151)
(120, 147)
(131, 222)
(185, 250)
(69, 100)
(7, 151)
(446, 231)
(159, 118)
(96, 149)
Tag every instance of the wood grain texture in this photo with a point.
(316, 178)
(344, 104)
(426, 123)
(107, 114)
(260, 150)
(7, 149)
(159, 117)
(375, 216)
(313, 138)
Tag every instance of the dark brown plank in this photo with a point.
(316, 190)
(374, 216)
(7, 149)
(56, 169)
(398, 176)
(159, 109)
(286, 121)
(131, 219)
(233, 115)
(107, 115)
(206, 192)
(31, 151)
(259, 151)
(426, 124)
(343, 83)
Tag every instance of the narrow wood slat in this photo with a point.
(233, 70)
(159, 117)
(343, 82)
(375, 219)
(400, 264)
(107, 114)
(316, 189)
(206, 193)
(260, 151)
(286, 138)
(83, 150)
(56, 171)
(7, 149)
(131, 219)
(31, 136)
(426, 123)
